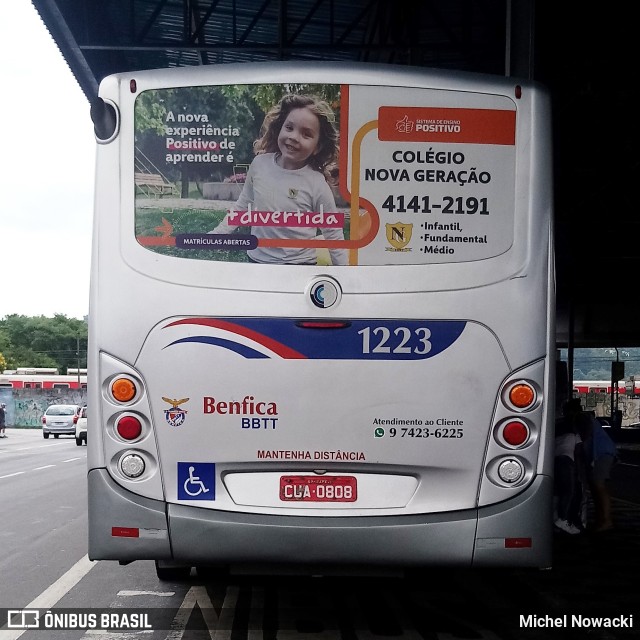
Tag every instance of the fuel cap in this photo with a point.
(324, 292)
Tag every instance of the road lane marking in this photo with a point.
(63, 585)
(39, 446)
(31, 449)
(46, 466)
(54, 593)
(199, 596)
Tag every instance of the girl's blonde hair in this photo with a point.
(328, 139)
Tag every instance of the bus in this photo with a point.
(330, 340)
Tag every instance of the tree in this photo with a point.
(39, 341)
(161, 114)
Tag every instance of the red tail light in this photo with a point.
(129, 427)
(515, 433)
(75, 419)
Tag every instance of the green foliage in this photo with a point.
(38, 341)
(158, 109)
(241, 107)
(151, 111)
(267, 95)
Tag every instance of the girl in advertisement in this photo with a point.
(297, 142)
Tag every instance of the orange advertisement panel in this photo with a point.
(430, 124)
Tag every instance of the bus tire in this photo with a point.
(170, 572)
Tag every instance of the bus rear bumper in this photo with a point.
(197, 536)
(518, 532)
(466, 538)
(122, 525)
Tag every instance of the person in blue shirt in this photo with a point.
(600, 453)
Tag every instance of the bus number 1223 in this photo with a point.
(399, 343)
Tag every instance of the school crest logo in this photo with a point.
(293, 193)
(399, 236)
(176, 415)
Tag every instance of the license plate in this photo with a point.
(318, 488)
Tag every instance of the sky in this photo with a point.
(47, 174)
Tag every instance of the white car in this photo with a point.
(60, 419)
(81, 427)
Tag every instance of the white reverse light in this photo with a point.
(132, 465)
(510, 470)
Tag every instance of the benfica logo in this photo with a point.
(175, 416)
(399, 236)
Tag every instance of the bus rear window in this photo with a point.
(342, 175)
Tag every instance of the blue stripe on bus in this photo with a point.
(240, 349)
(357, 340)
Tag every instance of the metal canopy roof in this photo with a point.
(585, 58)
(99, 38)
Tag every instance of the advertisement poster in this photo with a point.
(324, 174)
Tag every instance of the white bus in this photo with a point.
(329, 338)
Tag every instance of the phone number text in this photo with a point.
(448, 204)
(425, 432)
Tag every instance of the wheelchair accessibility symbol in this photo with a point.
(196, 481)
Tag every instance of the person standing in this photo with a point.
(600, 453)
(3, 419)
(566, 481)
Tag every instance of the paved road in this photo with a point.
(43, 520)
(43, 564)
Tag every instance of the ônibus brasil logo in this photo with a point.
(176, 415)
